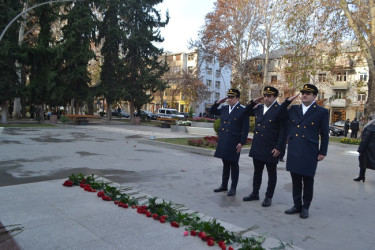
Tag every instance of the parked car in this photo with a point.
(335, 131)
(124, 114)
(338, 124)
(185, 114)
(148, 114)
(171, 113)
(114, 112)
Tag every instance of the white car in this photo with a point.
(173, 113)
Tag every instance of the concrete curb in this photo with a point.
(190, 149)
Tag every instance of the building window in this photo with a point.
(217, 84)
(322, 77)
(209, 71)
(178, 57)
(339, 95)
(175, 70)
(363, 77)
(190, 69)
(191, 57)
(217, 73)
(361, 97)
(208, 83)
(273, 79)
(341, 77)
(217, 96)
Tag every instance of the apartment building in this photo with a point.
(214, 77)
(341, 79)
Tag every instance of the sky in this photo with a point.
(186, 19)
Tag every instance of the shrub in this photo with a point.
(195, 142)
(203, 119)
(64, 119)
(217, 126)
(350, 141)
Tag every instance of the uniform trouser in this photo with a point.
(307, 184)
(230, 168)
(354, 134)
(257, 179)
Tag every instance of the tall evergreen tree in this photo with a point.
(143, 69)
(44, 59)
(110, 31)
(8, 54)
(79, 36)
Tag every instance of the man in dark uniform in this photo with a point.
(354, 126)
(268, 142)
(306, 122)
(233, 132)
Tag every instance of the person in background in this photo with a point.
(306, 123)
(346, 127)
(366, 149)
(233, 132)
(268, 142)
(354, 126)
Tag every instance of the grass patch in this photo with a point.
(184, 141)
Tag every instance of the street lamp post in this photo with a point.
(28, 9)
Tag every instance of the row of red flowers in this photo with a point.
(210, 231)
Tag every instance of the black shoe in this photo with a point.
(360, 179)
(220, 189)
(293, 210)
(231, 192)
(282, 160)
(251, 197)
(304, 213)
(267, 202)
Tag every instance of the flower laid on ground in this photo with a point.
(68, 183)
(209, 231)
(203, 119)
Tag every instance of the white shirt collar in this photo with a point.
(305, 108)
(265, 108)
(230, 108)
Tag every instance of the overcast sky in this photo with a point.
(186, 18)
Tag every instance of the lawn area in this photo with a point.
(24, 125)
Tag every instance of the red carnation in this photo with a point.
(175, 224)
(162, 220)
(100, 194)
(155, 216)
(116, 202)
(125, 205)
(210, 242)
(68, 183)
(230, 248)
(148, 214)
(193, 233)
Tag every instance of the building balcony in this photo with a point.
(340, 85)
(338, 103)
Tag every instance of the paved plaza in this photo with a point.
(34, 162)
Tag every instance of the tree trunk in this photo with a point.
(4, 112)
(76, 107)
(370, 103)
(131, 112)
(109, 113)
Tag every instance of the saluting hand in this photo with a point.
(238, 148)
(222, 100)
(293, 97)
(258, 100)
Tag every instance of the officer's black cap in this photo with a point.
(234, 92)
(309, 88)
(269, 90)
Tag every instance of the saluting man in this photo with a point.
(307, 122)
(233, 132)
(268, 142)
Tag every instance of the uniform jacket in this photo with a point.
(234, 129)
(367, 146)
(354, 125)
(303, 137)
(269, 132)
